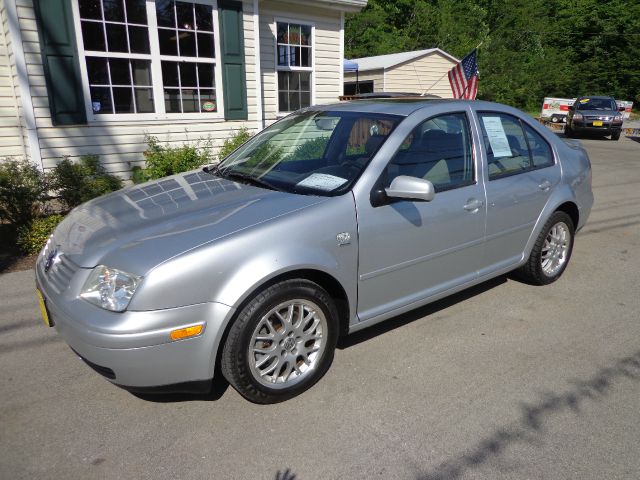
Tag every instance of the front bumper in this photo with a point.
(133, 349)
(587, 127)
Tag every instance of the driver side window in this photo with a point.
(438, 150)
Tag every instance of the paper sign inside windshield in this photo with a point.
(322, 181)
(497, 137)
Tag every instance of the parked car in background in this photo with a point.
(595, 115)
(329, 221)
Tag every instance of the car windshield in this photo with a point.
(596, 104)
(312, 152)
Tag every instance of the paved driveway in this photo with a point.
(504, 381)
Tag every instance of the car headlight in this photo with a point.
(617, 119)
(577, 116)
(110, 288)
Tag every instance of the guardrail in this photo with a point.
(629, 132)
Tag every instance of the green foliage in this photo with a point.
(32, 236)
(236, 140)
(162, 161)
(79, 182)
(22, 188)
(531, 48)
(311, 149)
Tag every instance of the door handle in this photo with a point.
(473, 205)
(545, 185)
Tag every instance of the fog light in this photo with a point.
(186, 332)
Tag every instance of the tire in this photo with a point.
(554, 119)
(266, 357)
(615, 136)
(568, 132)
(541, 268)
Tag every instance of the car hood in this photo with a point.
(139, 227)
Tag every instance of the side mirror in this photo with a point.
(412, 188)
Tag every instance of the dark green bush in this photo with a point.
(33, 236)
(233, 142)
(311, 149)
(162, 161)
(79, 182)
(22, 189)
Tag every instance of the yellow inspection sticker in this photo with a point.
(43, 309)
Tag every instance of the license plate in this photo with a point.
(597, 123)
(43, 310)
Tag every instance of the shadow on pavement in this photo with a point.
(430, 309)
(219, 386)
(531, 425)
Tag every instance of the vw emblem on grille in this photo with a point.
(51, 259)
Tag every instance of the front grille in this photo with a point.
(598, 117)
(60, 274)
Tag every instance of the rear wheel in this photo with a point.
(551, 252)
(282, 342)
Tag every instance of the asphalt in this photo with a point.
(504, 381)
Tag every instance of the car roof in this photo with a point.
(604, 97)
(404, 106)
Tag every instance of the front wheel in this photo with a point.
(615, 136)
(551, 252)
(282, 342)
(568, 132)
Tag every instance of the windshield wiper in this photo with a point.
(243, 177)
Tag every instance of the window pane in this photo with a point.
(139, 40)
(101, 100)
(282, 33)
(305, 59)
(97, 71)
(205, 46)
(294, 56)
(168, 42)
(294, 81)
(141, 72)
(540, 149)
(90, 9)
(283, 102)
(187, 44)
(137, 11)
(306, 35)
(119, 71)
(116, 38)
(165, 13)
(188, 74)
(172, 100)
(294, 101)
(113, 10)
(506, 147)
(305, 81)
(205, 75)
(305, 99)
(283, 80)
(170, 74)
(204, 17)
(283, 55)
(93, 36)
(208, 101)
(190, 101)
(123, 100)
(144, 100)
(184, 12)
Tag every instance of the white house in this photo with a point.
(95, 76)
(421, 71)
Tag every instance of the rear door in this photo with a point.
(521, 173)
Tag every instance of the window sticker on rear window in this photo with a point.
(497, 137)
(585, 100)
(322, 181)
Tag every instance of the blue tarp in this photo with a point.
(350, 66)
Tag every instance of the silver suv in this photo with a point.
(331, 220)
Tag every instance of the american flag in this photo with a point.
(464, 77)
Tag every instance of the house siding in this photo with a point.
(376, 75)
(422, 74)
(120, 144)
(13, 142)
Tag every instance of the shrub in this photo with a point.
(33, 236)
(22, 188)
(162, 161)
(233, 142)
(79, 182)
(311, 149)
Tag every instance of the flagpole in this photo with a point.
(445, 73)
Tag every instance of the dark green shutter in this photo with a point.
(60, 61)
(233, 72)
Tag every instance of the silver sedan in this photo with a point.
(331, 220)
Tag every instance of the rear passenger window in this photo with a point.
(540, 150)
(438, 150)
(509, 149)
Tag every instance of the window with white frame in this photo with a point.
(294, 63)
(134, 69)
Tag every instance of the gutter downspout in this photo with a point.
(256, 48)
(23, 83)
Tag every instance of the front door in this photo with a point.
(412, 250)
